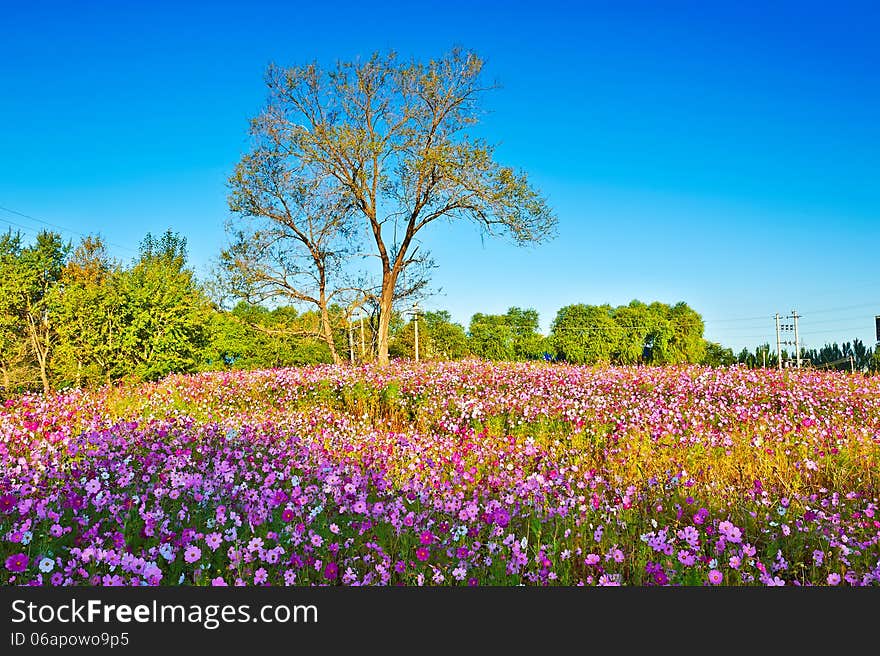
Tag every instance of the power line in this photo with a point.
(54, 225)
(19, 226)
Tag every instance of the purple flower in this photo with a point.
(331, 571)
(192, 554)
(7, 502)
(715, 577)
(17, 562)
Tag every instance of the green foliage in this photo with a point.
(631, 334)
(439, 338)
(585, 334)
(715, 355)
(510, 336)
(254, 337)
(28, 275)
(166, 313)
(89, 310)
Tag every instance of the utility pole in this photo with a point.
(363, 348)
(778, 344)
(852, 364)
(416, 328)
(797, 344)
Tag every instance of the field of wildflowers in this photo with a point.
(464, 473)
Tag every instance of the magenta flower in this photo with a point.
(331, 571)
(426, 537)
(7, 502)
(17, 562)
(287, 515)
(422, 553)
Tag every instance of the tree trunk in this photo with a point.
(327, 333)
(389, 280)
(44, 378)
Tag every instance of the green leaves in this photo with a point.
(631, 334)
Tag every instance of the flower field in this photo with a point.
(464, 473)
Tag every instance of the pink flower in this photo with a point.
(715, 577)
(214, 540)
(260, 576)
(219, 582)
(192, 554)
(833, 578)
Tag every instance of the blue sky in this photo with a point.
(726, 155)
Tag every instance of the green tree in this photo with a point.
(636, 323)
(29, 274)
(167, 313)
(439, 338)
(396, 138)
(510, 336)
(586, 334)
(16, 363)
(87, 304)
(448, 339)
(254, 337)
(677, 336)
(715, 355)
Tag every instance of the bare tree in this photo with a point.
(394, 137)
(292, 237)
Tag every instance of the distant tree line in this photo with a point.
(72, 316)
(849, 356)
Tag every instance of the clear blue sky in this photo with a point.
(726, 155)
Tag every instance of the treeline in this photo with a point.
(849, 356)
(75, 317)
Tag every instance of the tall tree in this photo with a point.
(395, 136)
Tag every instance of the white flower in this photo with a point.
(46, 565)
